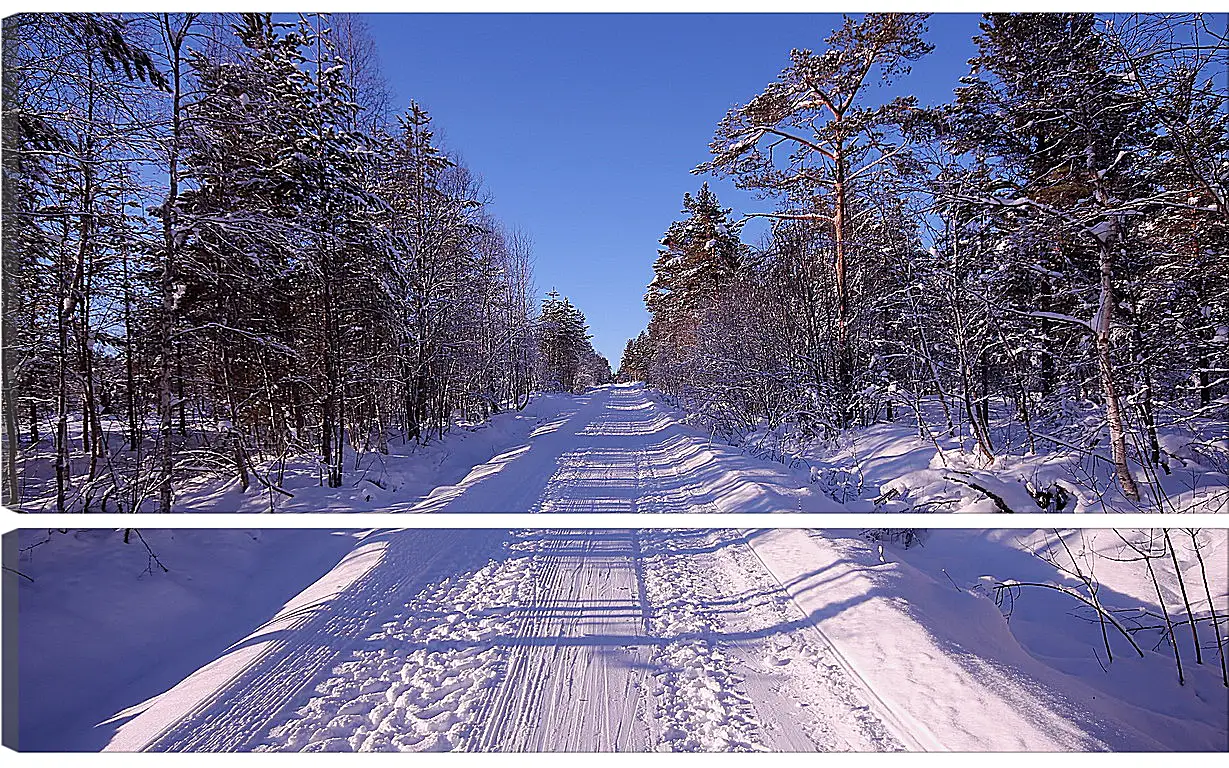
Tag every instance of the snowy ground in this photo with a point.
(619, 448)
(102, 627)
(563, 640)
(889, 467)
(614, 449)
(621, 640)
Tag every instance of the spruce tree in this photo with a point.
(1062, 138)
(840, 142)
(700, 256)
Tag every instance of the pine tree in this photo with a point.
(563, 338)
(68, 143)
(818, 108)
(637, 355)
(215, 234)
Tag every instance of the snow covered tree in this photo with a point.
(208, 225)
(1178, 298)
(69, 139)
(700, 256)
(1062, 139)
(637, 356)
(563, 341)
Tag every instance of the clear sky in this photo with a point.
(585, 127)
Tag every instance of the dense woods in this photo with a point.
(228, 263)
(1041, 263)
(222, 253)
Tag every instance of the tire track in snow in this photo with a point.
(579, 658)
(620, 451)
(563, 641)
(541, 650)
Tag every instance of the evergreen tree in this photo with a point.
(699, 258)
(215, 235)
(563, 338)
(1062, 138)
(637, 356)
(840, 146)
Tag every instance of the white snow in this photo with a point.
(616, 449)
(100, 631)
(530, 640)
(946, 665)
(613, 449)
(709, 640)
(889, 468)
(696, 640)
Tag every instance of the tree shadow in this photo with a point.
(304, 643)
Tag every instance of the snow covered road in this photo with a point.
(616, 449)
(628, 640)
(531, 640)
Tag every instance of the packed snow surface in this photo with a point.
(560, 640)
(532, 640)
(415, 640)
(619, 448)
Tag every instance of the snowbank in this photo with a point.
(101, 625)
(945, 666)
(890, 468)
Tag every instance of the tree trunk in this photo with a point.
(174, 41)
(134, 432)
(1102, 326)
(1205, 381)
(1207, 590)
(984, 395)
(1169, 625)
(1148, 412)
(331, 446)
(62, 466)
(1045, 361)
(839, 223)
(12, 495)
(235, 435)
(90, 437)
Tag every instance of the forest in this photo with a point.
(233, 273)
(1040, 264)
(221, 252)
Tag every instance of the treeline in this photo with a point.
(222, 252)
(569, 362)
(1053, 241)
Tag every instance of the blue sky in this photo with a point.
(585, 127)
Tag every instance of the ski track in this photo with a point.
(416, 684)
(558, 640)
(563, 641)
(298, 653)
(737, 671)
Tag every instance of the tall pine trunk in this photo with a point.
(844, 362)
